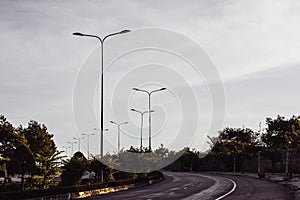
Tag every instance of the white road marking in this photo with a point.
(228, 193)
(219, 183)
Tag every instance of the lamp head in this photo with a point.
(125, 31)
(78, 34)
(163, 88)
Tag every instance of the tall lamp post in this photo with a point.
(149, 107)
(88, 143)
(118, 124)
(142, 120)
(72, 143)
(66, 150)
(78, 141)
(102, 61)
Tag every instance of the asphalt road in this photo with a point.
(256, 189)
(179, 185)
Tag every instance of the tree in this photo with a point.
(7, 138)
(235, 143)
(22, 162)
(42, 145)
(39, 140)
(281, 134)
(73, 170)
(48, 167)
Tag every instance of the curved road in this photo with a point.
(179, 185)
(249, 188)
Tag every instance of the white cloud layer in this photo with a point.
(254, 44)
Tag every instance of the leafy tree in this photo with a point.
(73, 170)
(7, 138)
(97, 166)
(42, 145)
(48, 167)
(22, 162)
(235, 143)
(281, 134)
(39, 140)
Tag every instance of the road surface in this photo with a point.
(179, 185)
(249, 188)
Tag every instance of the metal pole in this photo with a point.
(118, 137)
(101, 90)
(287, 161)
(66, 150)
(88, 143)
(118, 124)
(72, 149)
(142, 119)
(290, 162)
(149, 108)
(88, 146)
(234, 163)
(78, 139)
(72, 144)
(258, 164)
(79, 144)
(102, 75)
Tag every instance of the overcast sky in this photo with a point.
(253, 44)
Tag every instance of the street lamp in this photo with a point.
(78, 140)
(102, 61)
(88, 143)
(142, 120)
(72, 143)
(149, 108)
(66, 150)
(118, 124)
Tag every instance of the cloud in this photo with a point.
(254, 44)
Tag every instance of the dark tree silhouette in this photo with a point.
(22, 162)
(73, 169)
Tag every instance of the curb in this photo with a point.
(98, 192)
(104, 191)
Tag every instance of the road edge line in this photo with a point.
(228, 193)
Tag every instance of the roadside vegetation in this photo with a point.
(30, 154)
(276, 149)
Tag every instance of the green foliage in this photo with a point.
(73, 170)
(39, 140)
(235, 141)
(22, 162)
(33, 147)
(8, 138)
(25, 159)
(282, 132)
(48, 168)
